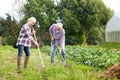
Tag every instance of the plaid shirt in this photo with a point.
(25, 36)
(59, 37)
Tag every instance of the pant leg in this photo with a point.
(63, 56)
(53, 51)
(27, 51)
(20, 50)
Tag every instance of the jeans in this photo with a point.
(53, 52)
(21, 48)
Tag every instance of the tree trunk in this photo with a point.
(85, 38)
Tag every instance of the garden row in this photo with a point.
(96, 57)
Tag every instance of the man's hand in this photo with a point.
(52, 38)
(60, 51)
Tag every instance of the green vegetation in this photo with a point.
(82, 17)
(96, 57)
(84, 21)
(110, 45)
(8, 69)
(71, 71)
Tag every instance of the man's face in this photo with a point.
(59, 29)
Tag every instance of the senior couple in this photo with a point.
(25, 38)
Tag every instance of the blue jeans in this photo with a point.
(53, 52)
(21, 48)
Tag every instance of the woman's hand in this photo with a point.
(36, 43)
(33, 32)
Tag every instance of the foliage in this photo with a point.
(34, 72)
(110, 45)
(1, 41)
(96, 57)
(80, 16)
(45, 13)
(96, 35)
(9, 30)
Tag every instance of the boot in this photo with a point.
(26, 61)
(19, 62)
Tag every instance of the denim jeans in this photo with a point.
(53, 52)
(21, 48)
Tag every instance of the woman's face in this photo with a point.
(31, 23)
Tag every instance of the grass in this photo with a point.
(71, 71)
(110, 45)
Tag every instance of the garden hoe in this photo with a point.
(65, 65)
(59, 53)
(39, 48)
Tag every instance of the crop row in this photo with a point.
(97, 58)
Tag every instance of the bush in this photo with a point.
(9, 40)
(1, 41)
(98, 58)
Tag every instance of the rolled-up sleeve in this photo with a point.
(52, 31)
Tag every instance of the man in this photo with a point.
(24, 41)
(57, 34)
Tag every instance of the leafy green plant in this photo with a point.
(71, 71)
(98, 58)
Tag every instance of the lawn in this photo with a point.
(71, 71)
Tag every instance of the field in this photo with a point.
(82, 63)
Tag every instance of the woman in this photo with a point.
(24, 41)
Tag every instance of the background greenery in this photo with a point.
(84, 21)
(79, 63)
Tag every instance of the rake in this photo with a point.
(39, 53)
(39, 48)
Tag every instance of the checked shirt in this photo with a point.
(25, 36)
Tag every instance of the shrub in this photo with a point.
(1, 41)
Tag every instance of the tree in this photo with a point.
(18, 7)
(9, 30)
(80, 16)
(45, 13)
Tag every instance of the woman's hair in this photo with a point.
(33, 19)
